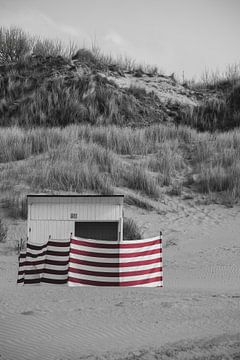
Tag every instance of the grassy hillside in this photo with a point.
(145, 164)
(80, 121)
(43, 83)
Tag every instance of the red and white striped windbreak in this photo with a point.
(46, 263)
(103, 263)
(93, 262)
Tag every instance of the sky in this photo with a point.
(181, 36)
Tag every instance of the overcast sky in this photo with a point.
(175, 35)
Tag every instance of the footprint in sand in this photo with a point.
(30, 312)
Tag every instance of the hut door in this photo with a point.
(97, 230)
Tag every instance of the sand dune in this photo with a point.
(197, 313)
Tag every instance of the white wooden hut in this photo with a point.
(88, 216)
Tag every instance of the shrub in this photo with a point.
(14, 44)
(16, 205)
(215, 113)
(131, 230)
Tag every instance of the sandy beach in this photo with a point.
(196, 315)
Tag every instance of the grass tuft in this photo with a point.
(131, 231)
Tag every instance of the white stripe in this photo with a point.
(140, 249)
(71, 283)
(94, 249)
(46, 266)
(58, 248)
(95, 259)
(140, 241)
(140, 277)
(36, 251)
(93, 278)
(57, 258)
(114, 251)
(33, 259)
(152, 284)
(115, 269)
(93, 241)
(46, 276)
(116, 242)
(114, 260)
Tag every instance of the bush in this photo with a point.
(15, 44)
(215, 113)
(130, 230)
(16, 205)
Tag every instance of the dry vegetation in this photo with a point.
(118, 140)
(151, 161)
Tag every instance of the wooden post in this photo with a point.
(161, 253)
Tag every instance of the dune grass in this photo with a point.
(17, 45)
(131, 230)
(151, 161)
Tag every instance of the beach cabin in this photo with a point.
(88, 216)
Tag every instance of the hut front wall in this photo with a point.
(56, 217)
(40, 230)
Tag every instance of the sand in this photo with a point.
(194, 316)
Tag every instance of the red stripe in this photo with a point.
(58, 253)
(116, 255)
(46, 271)
(94, 283)
(93, 273)
(47, 261)
(92, 263)
(114, 246)
(140, 272)
(96, 245)
(115, 283)
(126, 264)
(140, 253)
(139, 263)
(29, 254)
(141, 282)
(48, 252)
(36, 247)
(45, 280)
(94, 254)
(49, 243)
(54, 281)
(114, 274)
